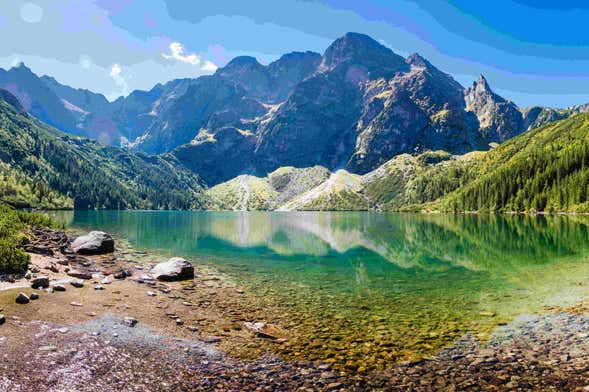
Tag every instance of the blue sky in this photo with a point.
(533, 52)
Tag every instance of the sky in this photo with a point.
(534, 52)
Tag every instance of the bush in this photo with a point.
(12, 225)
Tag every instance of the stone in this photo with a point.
(2, 319)
(47, 348)
(28, 275)
(94, 243)
(63, 330)
(192, 328)
(76, 304)
(78, 283)
(99, 288)
(179, 321)
(40, 282)
(74, 273)
(22, 298)
(151, 293)
(106, 281)
(58, 287)
(263, 330)
(175, 268)
(129, 321)
(34, 296)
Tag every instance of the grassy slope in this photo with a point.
(44, 168)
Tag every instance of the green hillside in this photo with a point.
(41, 167)
(544, 169)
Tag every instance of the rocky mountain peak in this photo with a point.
(354, 49)
(417, 60)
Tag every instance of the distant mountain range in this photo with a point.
(355, 107)
(357, 128)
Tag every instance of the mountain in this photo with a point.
(41, 167)
(354, 107)
(38, 99)
(543, 169)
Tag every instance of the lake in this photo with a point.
(382, 287)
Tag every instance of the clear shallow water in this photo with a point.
(379, 286)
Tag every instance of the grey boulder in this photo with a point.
(94, 243)
(176, 268)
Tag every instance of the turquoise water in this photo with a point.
(403, 285)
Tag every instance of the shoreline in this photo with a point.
(213, 312)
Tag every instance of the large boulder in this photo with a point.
(95, 242)
(174, 269)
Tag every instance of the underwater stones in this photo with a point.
(22, 298)
(94, 243)
(78, 283)
(174, 269)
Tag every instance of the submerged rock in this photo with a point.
(22, 298)
(176, 268)
(95, 242)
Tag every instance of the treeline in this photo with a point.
(44, 168)
(546, 169)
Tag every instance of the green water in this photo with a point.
(379, 286)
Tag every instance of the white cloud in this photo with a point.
(31, 13)
(115, 71)
(177, 53)
(208, 66)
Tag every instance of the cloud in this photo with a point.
(208, 66)
(31, 13)
(115, 71)
(177, 53)
(116, 74)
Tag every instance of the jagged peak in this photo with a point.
(21, 67)
(417, 60)
(242, 61)
(361, 49)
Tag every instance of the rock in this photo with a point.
(34, 269)
(129, 321)
(2, 319)
(263, 330)
(34, 296)
(78, 283)
(77, 304)
(122, 274)
(53, 268)
(95, 242)
(99, 288)
(74, 273)
(40, 282)
(22, 298)
(151, 293)
(47, 348)
(63, 330)
(192, 328)
(58, 287)
(28, 275)
(175, 268)
(179, 321)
